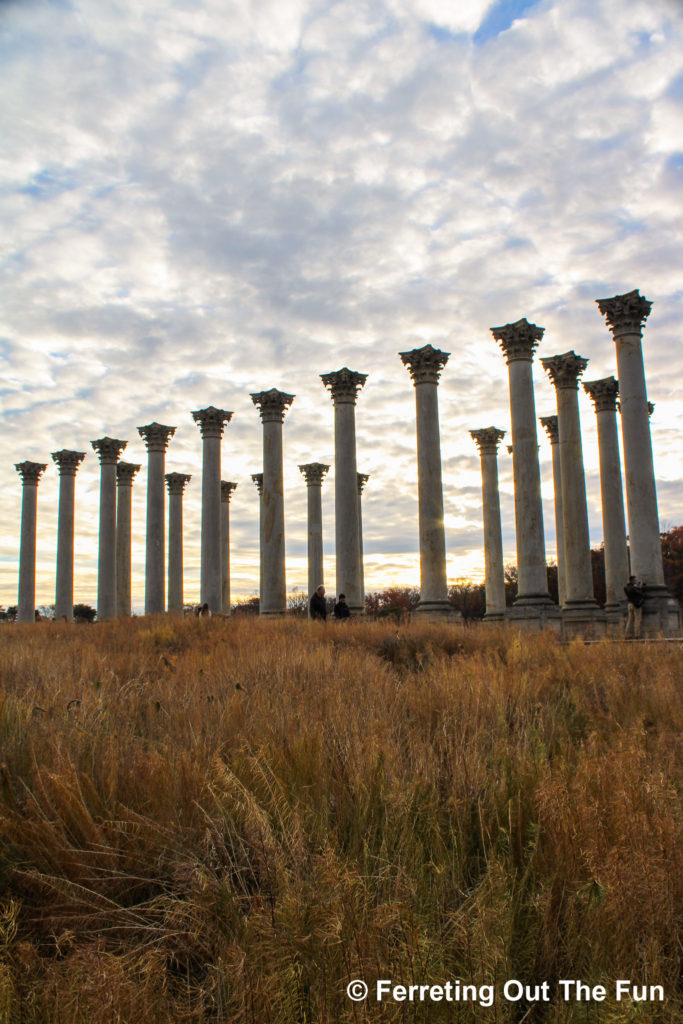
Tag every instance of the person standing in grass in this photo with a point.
(341, 608)
(635, 595)
(319, 605)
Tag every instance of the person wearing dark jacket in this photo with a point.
(318, 606)
(635, 595)
(341, 608)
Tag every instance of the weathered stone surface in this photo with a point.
(211, 422)
(313, 473)
(156, 437)
(551, 427)
(109, 451)
(125, 474)
(68, 463)
(30, 473)
(487, 440)
(272, 406)
(175, 484)
(227, 487)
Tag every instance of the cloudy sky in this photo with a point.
(204, 198)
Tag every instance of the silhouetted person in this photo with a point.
(319, 604)
(635, 595)
(341, 608)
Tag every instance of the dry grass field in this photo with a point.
(229, 820)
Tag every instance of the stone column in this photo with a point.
(227, 487)
(314, 473)
(176, 483)
(580, 613)
(487, 441)
(211, 423)
(344, 386)
(109, 451)
(604, 396)
(425, 365)
(533, 606)
(125, 473)
(626, 315)
(362, 479)
(156, 437)
(68, 463)
(258, 481)
(272, 406)
(30, 473)
(550, 424)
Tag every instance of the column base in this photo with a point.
(494, 617)
(661, 613)
(271, 613)
(535, 612)
(438, 611)
(615, 616)
(583, 620)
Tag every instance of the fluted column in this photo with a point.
(176, 483)
(313, 473)
(109, 451)
(362, 479)
(626, 315)
(68, 463)
(580, 612)
(487, 441)
(258, 481)
(604, 396)
(552, 430)
(156, 437)
(125, 474)
(30, 473)
(227, 487)
(272, 406)
(533, 605)
(211, 423)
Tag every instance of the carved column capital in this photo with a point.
(518, 340)
(176, 482)
(125, 472)
(603, 393)
(344, 384)
(67, 461)
(487, 439)
(552, 428)
(30, 472)
(361, 480)
(258, 480)
(272, 404)
(227, 487)
(156, 436)
(314, 473)
(108, 449)
(565, 370)
(625, 314)
(424, 364)
(211, 421)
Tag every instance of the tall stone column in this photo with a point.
(125, 473)
(604, 397)
(258, 481)
(344, 386)
(487, 441)
(30, 473)
(109, 451)
(176, 483)
(156, 437)
(313, 473)
(362, 479)
(425, 365)
(533, 606)
(67, 463)
(211, 423)
(551, 427)
(626, 315)
(580, 613)
(272, 406)
(227, 487)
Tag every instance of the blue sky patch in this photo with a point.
(500, 17)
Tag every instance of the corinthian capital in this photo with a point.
(487, 439)
(272, 404)
(424, 364)
(258, 480)
(344, 384)
(125, 473)
(314, 473)
(565, 370)
(227, 487)
(176, 482)
(603, 392)
(625, 314)
(109, 449)
(156, 436)
(518, 340)
(552, 428)
(68, 462)
(361, 480)
(30, 472)
(211, 420)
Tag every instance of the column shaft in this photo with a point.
(27, 555)
(347, 539)
(124, 501)
(487, 441)
(210, 579)
(274, 584)
(176, 483)
(64, 588)
(531, 564)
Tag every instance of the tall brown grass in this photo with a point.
(229, 820)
